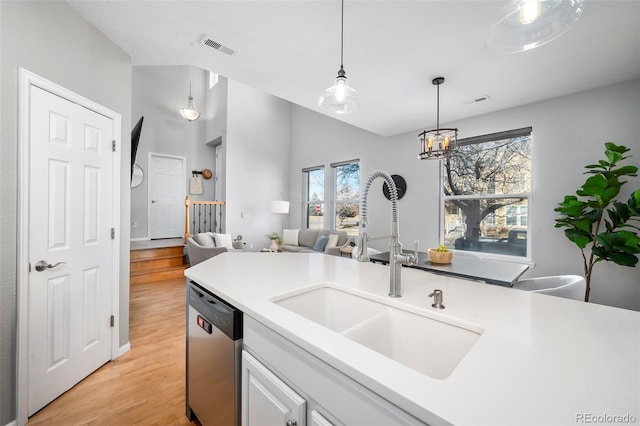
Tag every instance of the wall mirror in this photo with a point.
(138, 175)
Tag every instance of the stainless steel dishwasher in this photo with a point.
(214, 353)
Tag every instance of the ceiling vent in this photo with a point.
(478, 99)
(217, 46)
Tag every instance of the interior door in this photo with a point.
(71, 251)
(167, 186)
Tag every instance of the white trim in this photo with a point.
(12, 423)
(140, 239)
(184, 183)
(123, 349)
(26, 79)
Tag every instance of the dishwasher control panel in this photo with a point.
(204, 324)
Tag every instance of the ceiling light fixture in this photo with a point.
(437, 143)
(340, 98)
(189, 112)
(526, 24)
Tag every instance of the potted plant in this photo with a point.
(276, 240)
(441, 254)
(602, 227)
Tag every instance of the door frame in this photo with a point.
(26, 79)
(182, 185)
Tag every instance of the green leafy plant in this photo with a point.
(274, 236)
(602, 227)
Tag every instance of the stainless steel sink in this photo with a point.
(430, 346)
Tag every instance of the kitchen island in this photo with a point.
(538, 360)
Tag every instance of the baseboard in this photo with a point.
(140, 239)
(123, 350)
(12, 423)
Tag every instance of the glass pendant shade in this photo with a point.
(189, 113)
(527, 24)
(339, 98)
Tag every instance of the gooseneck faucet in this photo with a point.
(396, 257)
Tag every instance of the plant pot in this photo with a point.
(439, 256)
(274, 246)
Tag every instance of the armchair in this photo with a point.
(198, 253)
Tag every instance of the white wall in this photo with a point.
(568, 132)
(158, 94)
(257, 152)
(53, 41)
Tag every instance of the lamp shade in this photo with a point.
(280, 207)
(526, 24)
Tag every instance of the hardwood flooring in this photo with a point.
(145, 386)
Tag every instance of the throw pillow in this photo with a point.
(321, 243)
(223, 240)
(205, 239)
(290, 237)
(333, 241)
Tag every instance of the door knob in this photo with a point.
(43, 265)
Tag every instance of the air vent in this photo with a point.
(217, 46)
(478, 99)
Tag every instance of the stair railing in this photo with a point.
(202, 216)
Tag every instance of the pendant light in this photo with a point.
(437, 143)
(339, 98)
(527, 24)
(189, 112)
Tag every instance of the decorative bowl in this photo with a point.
(439, 256)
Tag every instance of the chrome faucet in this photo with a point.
(396, 257)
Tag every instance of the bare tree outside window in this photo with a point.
(486, 194)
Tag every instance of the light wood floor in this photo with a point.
(145, 386)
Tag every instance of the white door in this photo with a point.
(70, 220)
(267, 400)
(167, 186)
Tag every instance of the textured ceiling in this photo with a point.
(393, 49)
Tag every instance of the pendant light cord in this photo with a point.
(342, 36)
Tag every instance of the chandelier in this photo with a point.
(189, 112)
(439, 142)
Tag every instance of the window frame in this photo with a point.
(335, 200)
(306, 203)
(528, 195)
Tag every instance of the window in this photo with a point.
(213, 79)
(486, 192)
(314, 197)
(347, 196)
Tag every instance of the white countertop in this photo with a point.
(541, 360)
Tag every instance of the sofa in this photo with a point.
(306, 240)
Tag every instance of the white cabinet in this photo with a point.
(317, 419)
(331, 397)
(267, 400)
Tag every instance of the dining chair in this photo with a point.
(567, 286)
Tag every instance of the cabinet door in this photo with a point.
(267, 400)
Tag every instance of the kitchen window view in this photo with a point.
(347, 196)
(486, 192)
(314, 197)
